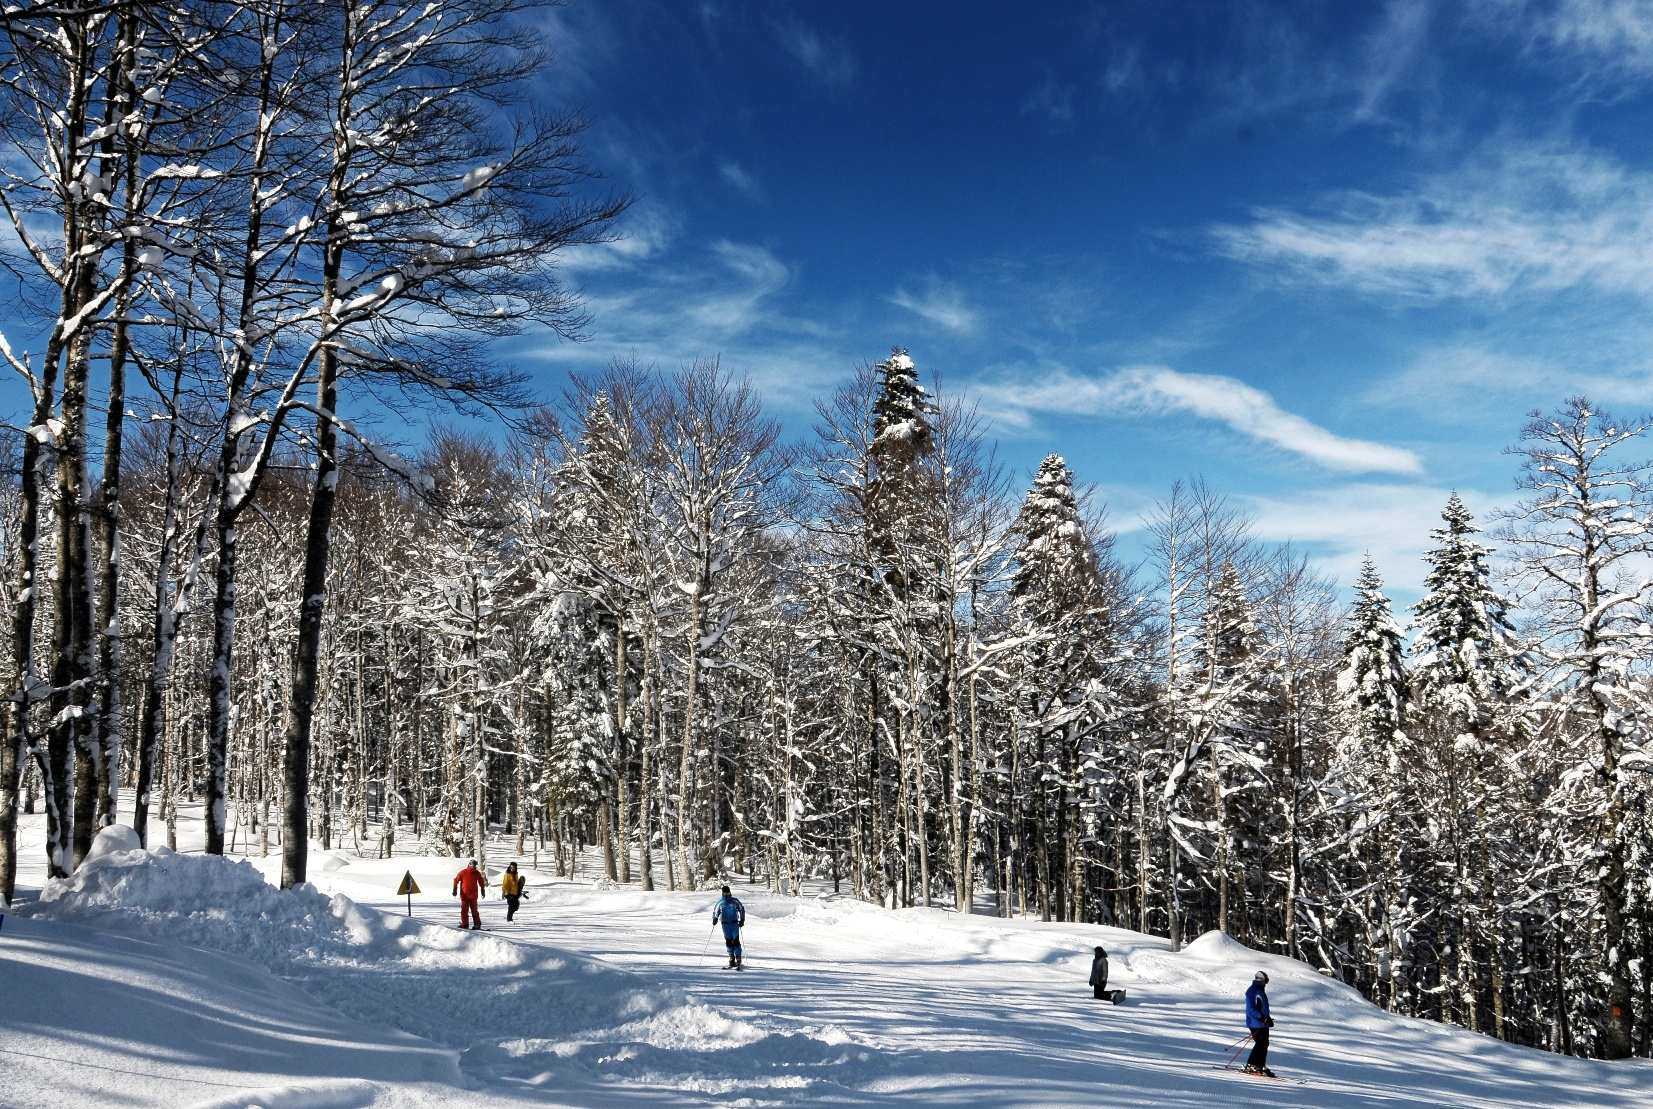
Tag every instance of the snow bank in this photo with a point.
(341, 1094)
(534, 1013)
(440, 983)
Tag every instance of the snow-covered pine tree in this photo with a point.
(900, 519)
(1376, 760)
(1056, 591)
(579, 763)
(1465, 666)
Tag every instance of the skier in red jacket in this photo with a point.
(469, 885)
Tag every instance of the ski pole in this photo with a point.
(707, 943)
(1234, 1055)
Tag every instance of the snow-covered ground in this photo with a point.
(173, 980)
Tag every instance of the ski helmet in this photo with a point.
(726, 891)
(1260, 977)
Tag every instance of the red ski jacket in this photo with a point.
(469, 883)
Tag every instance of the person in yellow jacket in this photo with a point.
(511, 885)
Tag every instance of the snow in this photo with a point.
(170, 978)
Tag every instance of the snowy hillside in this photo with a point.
(178, 979)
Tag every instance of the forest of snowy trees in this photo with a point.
(637, 617)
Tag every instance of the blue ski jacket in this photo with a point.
(1256, 1007)
(731, 914)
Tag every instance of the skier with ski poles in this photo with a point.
(469, 885)
(732, 915)
(1258, 1022)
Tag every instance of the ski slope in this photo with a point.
(167, 980)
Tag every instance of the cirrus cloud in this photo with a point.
(1160, 390)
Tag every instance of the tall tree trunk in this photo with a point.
(622, 748)
(318, 535)
(645, 834)
(20, 742)
(109, 741)
(691, 695)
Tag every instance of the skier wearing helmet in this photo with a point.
(1258, 1022)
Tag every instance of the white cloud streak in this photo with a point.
(1519, 220)
(1614, 38)
(738, 178)
(1160, 391)
(1446, 380)
(828, 59)
(941, 304)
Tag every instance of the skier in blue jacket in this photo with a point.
(732, 915)
(1259, 1022)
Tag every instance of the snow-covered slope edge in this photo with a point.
(531, 1015)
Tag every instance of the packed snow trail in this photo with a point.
(173, 979)
(981, 1010)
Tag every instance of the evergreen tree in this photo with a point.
(1375, 763)
(1464, 670)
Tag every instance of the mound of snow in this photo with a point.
(1218, 947)
(112, 840)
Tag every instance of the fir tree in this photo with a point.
(1464, 668)
(1376, 763)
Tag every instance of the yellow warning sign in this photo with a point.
(408, 886)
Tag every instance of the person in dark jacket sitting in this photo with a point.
(1099, 974)
(1259, 1022)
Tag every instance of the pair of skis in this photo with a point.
(1230, 1065)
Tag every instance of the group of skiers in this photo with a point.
(1257, 1018)
(470, 884)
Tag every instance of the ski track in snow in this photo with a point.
(129, 985)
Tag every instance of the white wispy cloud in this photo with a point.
(1390, 55)
(1051, 99)
(1446, 379)
(726, 300)
(1341, 524)
(829, 59)
(1612, 38)
(738, 178)
(1517, 219)
(757, 274)
(940, 303)
(646, 230)
(1261, 61)
(1160, 391)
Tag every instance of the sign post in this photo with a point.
(408, 887)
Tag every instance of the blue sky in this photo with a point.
(1326, 256)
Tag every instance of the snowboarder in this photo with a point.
(469, 885)
(511, 886)
(732, 915)
(1258, 1022)
(1099, 975)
